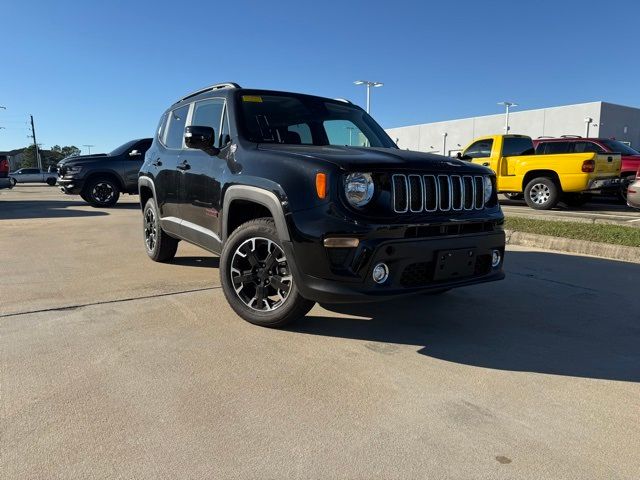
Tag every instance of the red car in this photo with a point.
(630, 157)
(4, 166)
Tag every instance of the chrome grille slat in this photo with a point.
(430, 193)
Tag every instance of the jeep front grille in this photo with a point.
(441, 193)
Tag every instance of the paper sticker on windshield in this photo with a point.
(252, 98)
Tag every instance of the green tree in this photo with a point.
(28, 157)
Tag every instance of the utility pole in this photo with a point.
(89, 147)
(35, 143)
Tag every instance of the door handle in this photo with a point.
(183, 166)
(157, 163)
(486, 164)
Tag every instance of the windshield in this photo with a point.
(618, 147)
(305, 120)
(123, 148)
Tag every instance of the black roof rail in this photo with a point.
(210, 88)
(344, 100)
(546, 136)
(570, 136)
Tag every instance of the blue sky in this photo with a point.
(102, 72)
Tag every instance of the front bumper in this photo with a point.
(412, 264)
(70, 186)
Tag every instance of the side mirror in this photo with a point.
(202, 138)
(459, 155)
(134, 153)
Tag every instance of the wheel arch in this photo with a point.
(252, 195)
(146, 189)
(530, 175)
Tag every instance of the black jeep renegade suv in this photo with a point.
(307, 200)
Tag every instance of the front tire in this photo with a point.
(13, 182)
(256, 276)
(159, 245)
(102, 193)
(542, 193)
(51, 182)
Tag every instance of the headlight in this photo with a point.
(358, 188)
(488, 189)
(73, 169)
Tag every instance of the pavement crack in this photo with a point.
(106, 302)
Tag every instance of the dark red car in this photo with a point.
(630, 157)
(4, 166)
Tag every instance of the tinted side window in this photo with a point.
(301, 133)
(208, 113)
(225, 134)
(514, 147)
(479, 149)
(177, 122)
(582, 147)
(549, 148)
(162, 127)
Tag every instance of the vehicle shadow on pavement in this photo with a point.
(554, 314)
(21, 209)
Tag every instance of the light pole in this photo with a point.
(89, 147)
(507, 106)
(444, 143)
(588, 121)
(368, 84)
(350, 135)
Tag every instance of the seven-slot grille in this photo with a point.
(431, 193)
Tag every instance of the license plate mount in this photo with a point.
(452, 264)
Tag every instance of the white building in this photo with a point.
(595, 119)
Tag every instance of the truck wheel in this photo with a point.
(102, 192)
(51, 182)
(624, 185)
(514, 196)
(13, 182)
(159, 246)
(256, 276)
(542, 193)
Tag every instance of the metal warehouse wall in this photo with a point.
(609, 120)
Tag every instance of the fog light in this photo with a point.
(496, 257)
(380, 273)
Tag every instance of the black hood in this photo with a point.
(82, 159)
(369, 159)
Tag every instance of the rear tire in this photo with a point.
(102, 193)
(624, 185)
(256, 276)
(13, 182)
(160, 246)
(542, 193)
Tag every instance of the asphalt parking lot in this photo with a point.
(112, 366)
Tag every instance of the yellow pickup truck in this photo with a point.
(544, 180)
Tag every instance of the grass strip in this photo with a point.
(592, 232)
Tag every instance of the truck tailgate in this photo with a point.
(608, 163)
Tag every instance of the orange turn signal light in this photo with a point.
(321, 185)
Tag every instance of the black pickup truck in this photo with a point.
(100, 179)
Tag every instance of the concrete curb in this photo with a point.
(583, 247)
(566, 218)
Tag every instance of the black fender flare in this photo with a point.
(257, 195)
